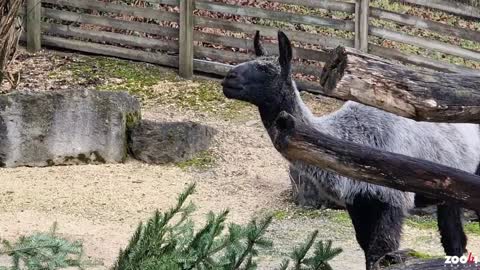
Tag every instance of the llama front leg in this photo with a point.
(453, 237)
(378, 227)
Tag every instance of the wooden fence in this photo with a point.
(209, 36)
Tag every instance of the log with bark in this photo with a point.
(408, 259)
(423, 95)
(296, 140)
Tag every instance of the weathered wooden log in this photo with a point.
(433, 264)
(423, 95)
(298, 141)
(407, 259)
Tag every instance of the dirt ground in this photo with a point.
(102, 204)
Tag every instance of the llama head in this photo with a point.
(266, 79)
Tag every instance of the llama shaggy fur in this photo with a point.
(377, 212)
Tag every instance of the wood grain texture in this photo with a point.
(34, 32)
(298, 141)
(423, 95)
(186, 39)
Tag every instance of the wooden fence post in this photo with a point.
(34, 14)
(186, 39)
(362, 8)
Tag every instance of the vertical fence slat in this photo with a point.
(361, 24)
(34, 9)
(186, 39)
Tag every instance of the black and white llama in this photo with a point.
(377, 212)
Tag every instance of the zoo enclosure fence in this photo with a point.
(209, 36)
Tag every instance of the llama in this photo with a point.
(377, 212)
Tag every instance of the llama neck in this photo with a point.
(291, 103)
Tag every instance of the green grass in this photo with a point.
(205, 96)
(340, 217)
(430, 223)
(202, 161)
(106, 73)
(152, 85)
(420, 255)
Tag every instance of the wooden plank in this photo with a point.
(110, 22)
(362, 8)
(108, 50)
(247, 44)
(276, 15)
(448, 6)
(109, 37)
(425, 43)
(120, 9)
(420, 60)
(317, 39)
(236, 57)
(211, 67)
(186, 39)
(34, 15)
(221, 55)
(418, 22)
(325, 4)
(164, 2)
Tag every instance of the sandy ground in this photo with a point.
(102, 204)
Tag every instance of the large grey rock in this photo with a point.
(65, 127)
(159, 143)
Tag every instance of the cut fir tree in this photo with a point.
(169, 241)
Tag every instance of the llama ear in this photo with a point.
(285, 58)
(259, 50)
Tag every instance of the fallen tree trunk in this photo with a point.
(298, 141)
(407, 259)
(423, 95)
(432, 264)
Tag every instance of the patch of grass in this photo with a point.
(420, 255)
(338, 216)
(472, 227)
(421, 222)
(202, 161)
(204, 96)
(106, 73)
(430, 223)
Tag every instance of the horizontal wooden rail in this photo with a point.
(324, 4)
(317, 39)
(109, 37)
(418, 22)
(109, 22)
(276, 15)
(102, 49)
(247, 44)
(164, 2)
(425, 43)
(210, 67)
(115, 8)
(448, 6)
(421, 61)
(236, 57)
(221, 55)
